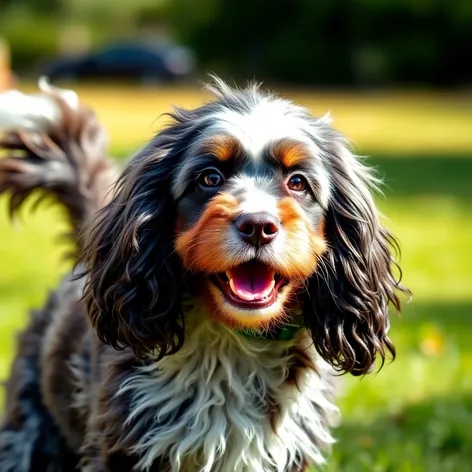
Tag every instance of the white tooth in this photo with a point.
(231, 284)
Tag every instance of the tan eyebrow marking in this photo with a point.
(222, 147)
(290, 153)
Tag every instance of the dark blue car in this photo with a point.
(141, 62)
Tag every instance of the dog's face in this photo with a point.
(251, 193)
(267, 209)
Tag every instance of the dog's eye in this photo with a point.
(211, 179)
(297, 183)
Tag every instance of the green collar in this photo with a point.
(286, 332)
(283, 333)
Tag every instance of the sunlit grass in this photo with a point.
(396, 122)
(31, 259)
(413, 416)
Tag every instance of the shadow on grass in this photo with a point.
(415, 175)
(433, 436)
(455, 314)
(439, 176)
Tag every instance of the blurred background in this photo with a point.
(397, 77)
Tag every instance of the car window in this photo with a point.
(124, 54)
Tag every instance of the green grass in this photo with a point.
(415, 415)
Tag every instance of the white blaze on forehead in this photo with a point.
(256, 196)
(267, 122)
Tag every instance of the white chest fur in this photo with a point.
(212, 406)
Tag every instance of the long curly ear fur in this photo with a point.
(133, 277)
(349, 296)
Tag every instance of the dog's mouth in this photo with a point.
(252, 285)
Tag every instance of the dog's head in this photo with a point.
(257, 207)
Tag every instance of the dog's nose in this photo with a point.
(257, 228)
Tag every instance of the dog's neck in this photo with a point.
(225, 402)
(285, 330)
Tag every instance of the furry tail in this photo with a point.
(54, 147)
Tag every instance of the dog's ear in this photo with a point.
(349, 295)
(133, 281)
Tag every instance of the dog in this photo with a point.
(226, 278)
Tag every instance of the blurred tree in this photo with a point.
(33, 5)
(351, 42)
(323, 42)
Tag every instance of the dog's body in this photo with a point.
(220, 392)
(181, 262)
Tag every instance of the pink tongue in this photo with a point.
(251, 281)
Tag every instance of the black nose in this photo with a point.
(257, 228)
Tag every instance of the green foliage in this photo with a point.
(35, 6)
(324, 42)
(332, 43)
(33, 37)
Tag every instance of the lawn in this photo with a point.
(416, 414)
